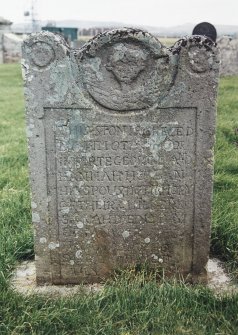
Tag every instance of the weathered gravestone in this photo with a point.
(205, 29)
(120, 140)
(229, 55)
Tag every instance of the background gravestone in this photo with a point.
(229, 55)
(120, 134)
(205, 29)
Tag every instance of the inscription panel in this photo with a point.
(121, 189)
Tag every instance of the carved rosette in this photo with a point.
(42, 54)
(44, 49)
(201, 54)
(126, 70)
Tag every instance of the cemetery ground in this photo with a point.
(132, 302)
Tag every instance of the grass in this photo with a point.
(130, 304)
(168, 41)
(225, 203)
(16, 233)
(125, 307)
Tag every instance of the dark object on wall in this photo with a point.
(206, 29)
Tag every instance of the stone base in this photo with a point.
(24, 281)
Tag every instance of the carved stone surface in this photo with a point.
(120, 141)
(42, 54)
(128, 74)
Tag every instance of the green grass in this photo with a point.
(225, 203)
(130, 304)
(168, 41)
(125, 307)
(16, 233)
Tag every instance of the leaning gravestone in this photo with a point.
(121, 136)
(205, 29)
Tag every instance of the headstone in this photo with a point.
(12, 48)
(205, 29)
(229, 55)
(5, 27)
(121, 134)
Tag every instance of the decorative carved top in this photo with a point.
(43, 49)
(121, 70)
(127, 70)
(201, 54)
